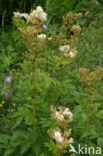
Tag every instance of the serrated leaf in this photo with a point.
(18, 121)
(25, 148)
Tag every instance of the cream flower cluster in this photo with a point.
(71, 54)
(20, 15)
(61, 137)
(41, 36)
(40, 14)
(67, 52)
(58, 137)
(68, 113)
(63, 116)
(59, 115)
(64, 48)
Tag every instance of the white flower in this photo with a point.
(57, 134)
(60, 140)
(56, 114)
(20, 15)
(68, 113)
(58, 137)
(33, 12)
(39, 13)
(64, 48)
(70, 141)
(17, 14)
(24, 15)
(39, 9)
(49, 38)
(43, 16)
(71, 54)
(59, 116)
(61, 48)
(66, 109)
(41, 36)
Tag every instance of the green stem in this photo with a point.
(88, 111)
(53, 95)
(34, 82)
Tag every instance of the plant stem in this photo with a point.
(53, 94)
(34, 94)
(88, 111)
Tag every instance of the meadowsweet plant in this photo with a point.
(48, 104)
(42, 85)
(48, 97)
(63, 117)
(43, 77)
(43, 81)
(88, 112)
(90, 80)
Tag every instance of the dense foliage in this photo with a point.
(51, 83)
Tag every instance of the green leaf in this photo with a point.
(100, 113)
(51, 145)
(42, 154)
(25, 148)
(100, 142)
(37, 149)
(8, 152)
(4, 139)
(18, 121)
